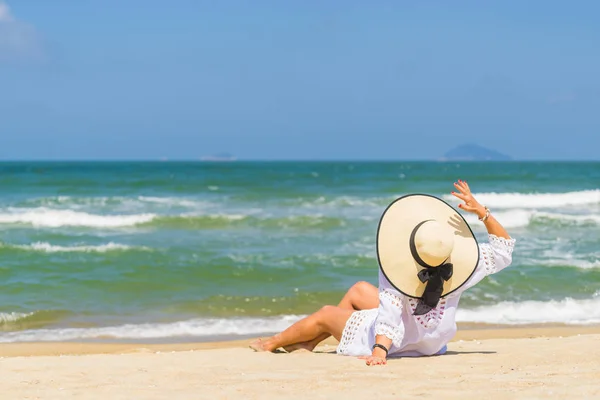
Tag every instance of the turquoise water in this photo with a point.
(175, 250)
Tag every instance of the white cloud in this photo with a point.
(18, 39)
(5, 13)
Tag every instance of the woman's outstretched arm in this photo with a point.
(471, 205)
(389, 328)
(379, 356)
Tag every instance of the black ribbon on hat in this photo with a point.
(433, 275)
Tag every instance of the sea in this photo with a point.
(201, 251)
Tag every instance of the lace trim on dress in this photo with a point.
(500, 242)
(394, 299)
(488, 259)
(487, 253)
(349, 333)
(433, 317)
(395, 333)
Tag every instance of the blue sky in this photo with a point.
(298, 79)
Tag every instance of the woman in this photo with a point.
(428, 256)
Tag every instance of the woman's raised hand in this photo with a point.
(470, 204)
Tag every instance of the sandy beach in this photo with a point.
(520, 363)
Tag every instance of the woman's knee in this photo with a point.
(328, 309)
(363, 296)
(332, 319)
(325, 313)
(363, 287)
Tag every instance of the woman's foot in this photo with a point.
(258, 345)
(264, 345)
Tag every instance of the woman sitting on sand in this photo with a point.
(427, 256)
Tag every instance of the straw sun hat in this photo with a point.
(425, 248)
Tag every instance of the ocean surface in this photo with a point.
(211, 250)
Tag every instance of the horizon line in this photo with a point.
(235, 160)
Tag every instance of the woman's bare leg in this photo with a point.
(361, 296)
(329, 319)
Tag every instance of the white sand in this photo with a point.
(546, 366)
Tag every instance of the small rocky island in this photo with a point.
(473, 152)
(218, 157)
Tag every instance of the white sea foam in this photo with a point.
(571, 262)
(536, 200)
(190, 328)
(578, 219)
(116, 202)
(344, 201)
(50, 248)
(13, 317)
(566, 311)
(45, 217)
(79, 203)
(512, 209)
(229, 217)
(506, 200)
(509, 219)
(561, 257)
(176, 201)
(522, 217)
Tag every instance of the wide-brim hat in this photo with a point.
(420, 232)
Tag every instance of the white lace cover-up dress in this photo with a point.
(420, 335)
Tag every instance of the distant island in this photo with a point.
(473, 152)
(218, 157)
